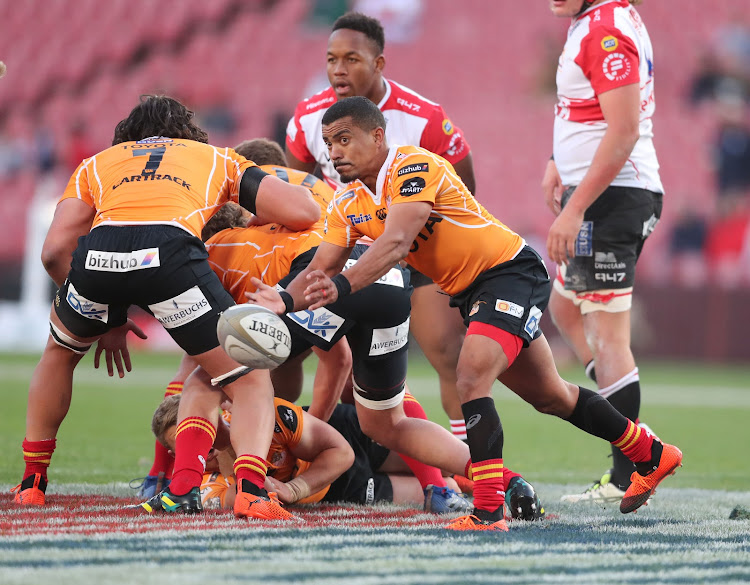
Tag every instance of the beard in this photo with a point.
(348, 177)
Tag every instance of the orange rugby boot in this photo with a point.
(471, 522)
(30, 492)
(264, 506)
(643, 486)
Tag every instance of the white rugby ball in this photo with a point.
(254, 336)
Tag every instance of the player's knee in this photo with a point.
(560, 401)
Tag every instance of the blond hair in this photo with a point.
(165, 417)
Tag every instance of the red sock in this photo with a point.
(489, 487)
(252, 468)
(635, 443)
(163, 461)
(37, 455)
(426, 474)
(193, 441)
(508, 475)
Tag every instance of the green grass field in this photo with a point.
(106, 438)
(683, 536)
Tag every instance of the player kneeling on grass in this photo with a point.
(127, 232)
(412, 203)
(309, 461)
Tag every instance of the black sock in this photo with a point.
(250, 488)
(29, 483)
(627, 400)
(484, 433)
(597, 417)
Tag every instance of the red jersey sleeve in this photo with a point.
(609, 59)
(296, 140)
(442, 137)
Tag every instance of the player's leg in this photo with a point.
(439, 330)
(535, 379)
(289, 377)
(50, 392)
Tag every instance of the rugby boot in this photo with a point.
(643, 483)
(443, 500)
(522, 500)
(601, 492)
(480, 520)
(30, 492)
(253, 502)
(165, 501)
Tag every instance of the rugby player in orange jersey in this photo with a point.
(413, 205)
(138, 209)
(355, 65)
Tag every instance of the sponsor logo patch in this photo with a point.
(475, 308)
(412, 186)
(359, 218)
(85, 307)
(509, 308)
(182, 309)
(320, 322)
(154, 139)
(288, 417)
(415, 168)
(473, 421)
(389, 339)
(532, 323)
(609, 43)
(616, 67)
(584, 240)
(394, 277)
(122, 261)
(447, 127)
(381, 213)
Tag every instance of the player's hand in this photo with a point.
(562, 235)
(115, 347)
(321, 290)
(266, 296)
(284, 494)
(552, 188)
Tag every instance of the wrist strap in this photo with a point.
(288, 301)
(299, 488)
(343, 286)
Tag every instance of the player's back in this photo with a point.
(158, 181)
(321, 191)
(237, 254)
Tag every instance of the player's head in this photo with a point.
(158, 115)
(230, 215)
(355, 59)
(262, 152)
(164, 421)
(354, 131)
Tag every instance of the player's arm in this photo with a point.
(276, 201)
(329, 259)
(334, 368)
(329, 455)
(73, 219)
(621, 110)
(402, 226)
(294, 163)
(465, 170)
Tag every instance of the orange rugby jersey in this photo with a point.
(158, 181)
(287, 433)
(321, 191)
(237, 254)
(460, 240)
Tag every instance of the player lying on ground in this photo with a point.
(138, 209)
(413, 205)
(309, 461)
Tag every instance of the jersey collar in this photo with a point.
(387, 94)
(380, 184)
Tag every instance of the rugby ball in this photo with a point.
(254, 336)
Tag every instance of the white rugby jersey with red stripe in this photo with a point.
(411, 119)
(607, 47)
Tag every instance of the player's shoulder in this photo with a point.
(413, 159)
(407, 100)
(319, 102)
(609, 18)
(288, 415)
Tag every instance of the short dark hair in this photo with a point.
(158, 115)
(230, 215)
(262, 152)
(367, 25)
(364, 113)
